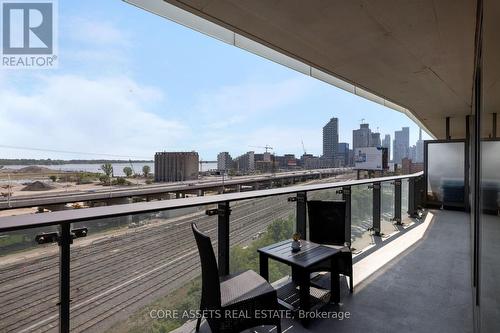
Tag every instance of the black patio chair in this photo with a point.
(245, 292)
(327, 226)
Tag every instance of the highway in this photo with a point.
(115, 275)
(156, 189)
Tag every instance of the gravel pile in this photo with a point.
(37, 186)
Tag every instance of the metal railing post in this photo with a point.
(376, 208)
(346, 196)
(397, 201)
(65, 241)
(412, 207)
(301, 213)
(223, 211)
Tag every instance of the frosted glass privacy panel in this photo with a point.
(445, 174)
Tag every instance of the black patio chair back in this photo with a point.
(327, 223)
(210, 289)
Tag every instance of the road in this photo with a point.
(114, 276)
(144, 190)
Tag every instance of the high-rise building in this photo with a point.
(361, 137)
(386, 143)
(176, 166)
(330, 139)
(375, 140)
(401, 145)
(342, 157)
(224, 161)
(419, 155)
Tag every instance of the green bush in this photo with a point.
(120, 181)
(104, 179)
(84, 180)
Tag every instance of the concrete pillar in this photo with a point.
(238, 188)
(177, 195)
(256, 186)
(201, 192)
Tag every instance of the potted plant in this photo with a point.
(296, 242)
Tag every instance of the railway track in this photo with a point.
(104, 274)
(243, 222)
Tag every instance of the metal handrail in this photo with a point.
(19, 222)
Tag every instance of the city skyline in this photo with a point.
(228, 100)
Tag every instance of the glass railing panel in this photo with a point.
(29, 282)
(361, 216)
(256, 223)
(129, 267)
(387, 208)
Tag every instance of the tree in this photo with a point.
(107, 168)
(146, 170)
(128, 171)
(53, 178)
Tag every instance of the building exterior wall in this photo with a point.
(342, 154)
(375, 140)
(330, 139)
(224, 161)
(176, 166)
(361, 137)
(245, 162)
(401, 144)
(386, 143)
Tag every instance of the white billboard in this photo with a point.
(368, 158)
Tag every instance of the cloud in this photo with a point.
(92, 45)
(108, 115)
(231, 105)
(88, 31)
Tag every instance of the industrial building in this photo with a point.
(176, 166)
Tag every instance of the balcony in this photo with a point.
(142, 256)
(401, 286)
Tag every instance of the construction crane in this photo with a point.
(303, 147)
(266, 147)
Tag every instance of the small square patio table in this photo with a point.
(296, 294)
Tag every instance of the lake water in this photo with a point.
(117, 167)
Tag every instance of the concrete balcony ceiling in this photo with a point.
(414, 56)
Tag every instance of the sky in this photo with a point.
(130, 83)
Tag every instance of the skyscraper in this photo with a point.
(386, 143)
(342, 154)
(401, 146)
(361, 137)
(419, 154)
(330, 139)
(375, 140)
